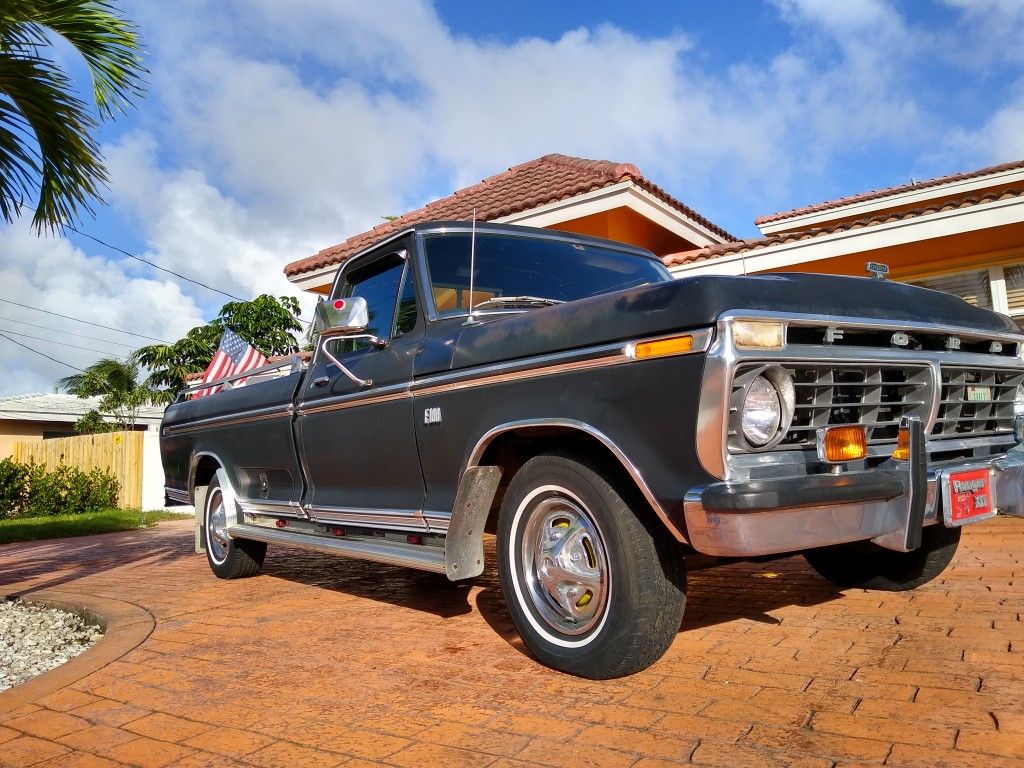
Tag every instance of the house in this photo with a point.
(27, 418)
(588, 197)
(962, 233)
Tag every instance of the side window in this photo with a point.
(378, 284)
(408, 314)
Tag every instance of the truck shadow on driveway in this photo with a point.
(728, 591)
(718, 592)
(394, 585)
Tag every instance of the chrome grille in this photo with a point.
(876, 395)
(976, 401)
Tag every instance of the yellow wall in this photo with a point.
(12, 432)
(928, 258)
(627, 226)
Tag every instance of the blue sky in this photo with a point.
(273, 129)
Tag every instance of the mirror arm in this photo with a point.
(376, 342)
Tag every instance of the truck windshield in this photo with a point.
(514, 273)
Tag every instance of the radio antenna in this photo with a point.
(472, 266)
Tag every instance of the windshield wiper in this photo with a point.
(517, 301)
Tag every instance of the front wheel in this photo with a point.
(867, 565)
(228, 558)
(592, 589)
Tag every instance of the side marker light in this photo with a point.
(676, 345)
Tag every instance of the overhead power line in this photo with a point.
(201, 284)
(58, 343)
(36, 351)
(66, 333)
(87, 322)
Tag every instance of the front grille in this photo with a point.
(976, 401)
(873, 394)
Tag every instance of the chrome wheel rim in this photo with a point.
(217, 528)
(565, 565)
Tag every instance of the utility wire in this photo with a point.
(51, 341)
(67, 333)
(36, 351)
(87, 322)
(155, 266)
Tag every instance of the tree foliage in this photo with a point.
(93, 423)
(49, 157)
(116, 383)
(268, 323)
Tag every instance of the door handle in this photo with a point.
(321, 381)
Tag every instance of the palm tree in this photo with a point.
(47, 151)
(117, 383)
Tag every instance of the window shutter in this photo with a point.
(972, 287)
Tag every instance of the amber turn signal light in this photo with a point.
(676, 345)
(902, 452)
(837, 445)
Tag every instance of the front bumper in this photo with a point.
(887, 506)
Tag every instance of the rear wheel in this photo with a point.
(592, 589)
(229, 558)
(867, 565)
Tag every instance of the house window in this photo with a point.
(973, 287)
(1014, 277)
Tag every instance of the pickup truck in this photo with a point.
(603, 420)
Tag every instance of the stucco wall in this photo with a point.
(12, 432)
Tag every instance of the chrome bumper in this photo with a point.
(888, 522)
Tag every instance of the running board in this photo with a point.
(423, 557)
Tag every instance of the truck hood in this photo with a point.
(694, 302)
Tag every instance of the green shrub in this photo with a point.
(28, 490)
(14, 486)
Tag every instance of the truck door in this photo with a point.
(358, 442)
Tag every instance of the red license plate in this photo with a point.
(970, 494)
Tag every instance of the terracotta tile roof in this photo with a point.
(886, 192)
(744, 246)
(547, 179)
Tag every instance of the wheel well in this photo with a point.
(206, 468)
(510, 450)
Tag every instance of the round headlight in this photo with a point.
(761, 414)
(1018, 401)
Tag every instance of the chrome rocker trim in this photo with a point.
(392, 553)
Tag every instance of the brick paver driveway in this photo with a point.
(325, 661)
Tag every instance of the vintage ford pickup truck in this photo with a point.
(604, 419)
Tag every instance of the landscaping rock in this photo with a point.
(34, 639)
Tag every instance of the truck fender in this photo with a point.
(464, 541)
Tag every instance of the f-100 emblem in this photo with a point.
(432, 416)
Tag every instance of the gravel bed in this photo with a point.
(34, 639)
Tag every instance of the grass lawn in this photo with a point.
(63, 526)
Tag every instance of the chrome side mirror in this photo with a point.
(341, 317)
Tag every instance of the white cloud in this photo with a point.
(337, 113)
(988, 34)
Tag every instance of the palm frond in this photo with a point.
(108, 42)
(68, 163)
(48, 156)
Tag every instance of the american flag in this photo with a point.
(233, 356)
